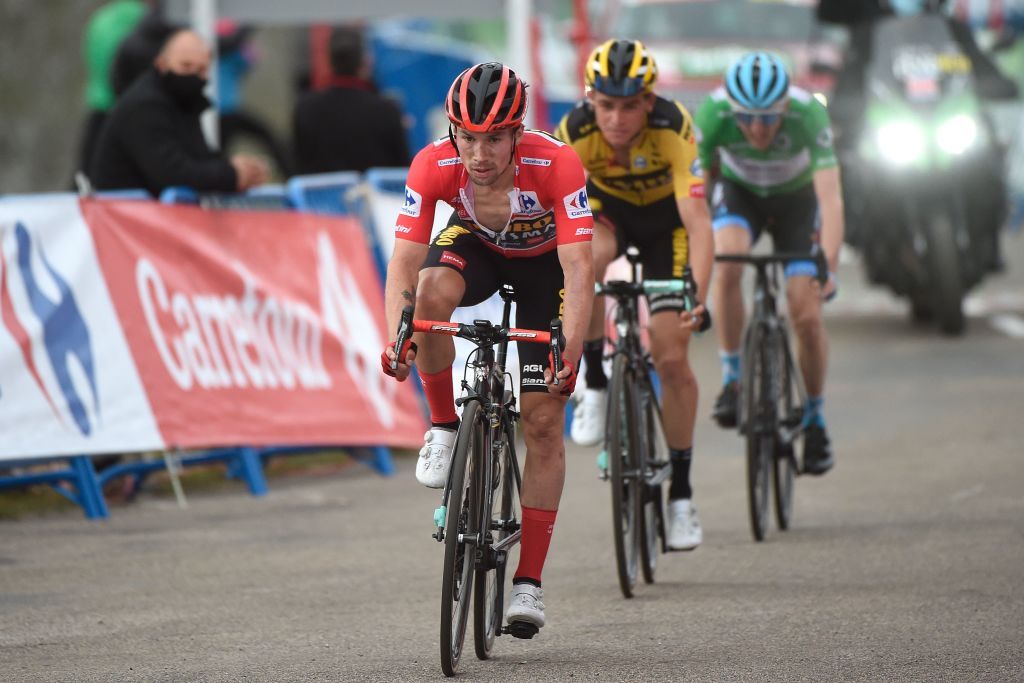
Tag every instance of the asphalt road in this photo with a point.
(906, 562)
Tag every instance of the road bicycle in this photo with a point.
(772, 393)
(478, 520)
(636, 456)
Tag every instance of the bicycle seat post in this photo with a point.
(633, 256)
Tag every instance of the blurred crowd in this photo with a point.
(147, 91)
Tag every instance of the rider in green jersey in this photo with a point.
(768, 145)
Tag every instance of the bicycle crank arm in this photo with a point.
(504, 544)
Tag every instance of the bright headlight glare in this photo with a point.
(956, 134)
(901, 142)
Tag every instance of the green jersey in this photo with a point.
(802, 146)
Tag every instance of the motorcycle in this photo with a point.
(924, 184)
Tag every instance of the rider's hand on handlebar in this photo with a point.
(401, 372)
(829, 290)
(566, 378)
(697, 320)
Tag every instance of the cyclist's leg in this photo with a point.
(797, 231)
(539, 290)
(457, 271)
(664, 250)
(735, 223)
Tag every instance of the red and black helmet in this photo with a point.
(486, 97)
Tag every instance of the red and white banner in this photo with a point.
(190, 328)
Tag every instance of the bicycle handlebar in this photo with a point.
(818, 257)
(473, 332)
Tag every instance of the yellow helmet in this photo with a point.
(621, 68)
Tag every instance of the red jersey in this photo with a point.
(549, 201)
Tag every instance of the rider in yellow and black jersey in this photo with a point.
(663, 160)
(646, 189)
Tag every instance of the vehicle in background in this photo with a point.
(694, 41)
(924, 185)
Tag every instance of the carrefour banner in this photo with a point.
(136, 325)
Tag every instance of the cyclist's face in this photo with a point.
(487, 157)
(759, 128)
(621, 119)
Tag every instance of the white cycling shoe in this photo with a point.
(684, 532)
(525, 606)
(588, 417)
(435, 457)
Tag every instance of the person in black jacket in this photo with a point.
(348, 127)
(152, 138)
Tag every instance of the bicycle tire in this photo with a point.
(489, 591)
(784, 475)
(759, 410)
(457, 578)
(622, 459)
(655, 449)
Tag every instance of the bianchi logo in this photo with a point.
(413, 203)
(576, 204)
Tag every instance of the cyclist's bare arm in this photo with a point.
(697, 219)
(400, 288)
(578, 266)
(828, 190)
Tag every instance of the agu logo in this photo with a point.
(413, 203)
(576, 205)
(65, 337)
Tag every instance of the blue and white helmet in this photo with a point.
(757, 80)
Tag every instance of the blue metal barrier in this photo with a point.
(324, 193)
(86, 490)
(123, 194)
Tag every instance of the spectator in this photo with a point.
(152, 138)
(107, 27)
(348, 126)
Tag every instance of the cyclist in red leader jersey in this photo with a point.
(521, 217)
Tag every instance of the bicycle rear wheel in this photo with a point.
(624, 470)
(759, 426)
(654, 455)
(460, 525)
(499, 523)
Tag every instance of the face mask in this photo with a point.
(186, 89)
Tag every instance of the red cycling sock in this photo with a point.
(533, 545)
(440, 396)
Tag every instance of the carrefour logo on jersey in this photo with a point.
(529, 204)
(413, 203)
(695, 169)
(576, 204)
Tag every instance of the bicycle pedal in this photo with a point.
(521, 629)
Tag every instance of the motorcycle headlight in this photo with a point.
(901, 142)
(956, 134)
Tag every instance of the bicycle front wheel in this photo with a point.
(459, 543)
(625, 473)
(654, 455)
(759, 426)
(785, 459)
(500, 522)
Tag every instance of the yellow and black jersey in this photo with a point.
(663, 161)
